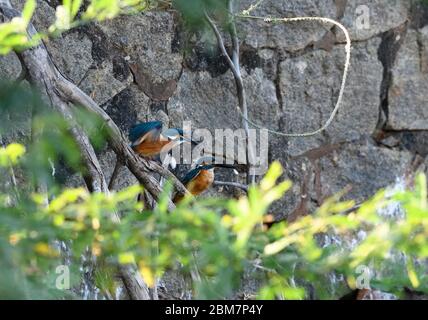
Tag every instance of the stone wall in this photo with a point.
(146, 67)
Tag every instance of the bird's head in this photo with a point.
(177, 134)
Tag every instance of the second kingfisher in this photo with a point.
(148, 139)
(201, 177)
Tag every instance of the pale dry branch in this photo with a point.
(234, 64)
(231, 184)
(44, 75)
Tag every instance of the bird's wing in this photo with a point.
(140, 132)
(192, 174)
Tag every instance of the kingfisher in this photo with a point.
(148, 139)
(201, 178)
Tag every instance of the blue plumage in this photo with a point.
(139, 130)
(192, 174)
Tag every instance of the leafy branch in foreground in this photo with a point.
(224, 237)
(68, 15)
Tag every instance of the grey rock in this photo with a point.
(124, 178)
(310, 85)
(408, 104)
(101, 84)
(366, 168)
(128, 107)
(292, 36)
(294, 95)
(327, 170)
(10, 67)
(147, 38)
(44, 16)
(212, 102)
(78, 58)
(382, 15)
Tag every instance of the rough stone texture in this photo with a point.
(148, 40)
(382, 15)
(101, 84)
(10, 67)
(44, 15)
(211, 102)
(72, 54)
(128, 106)
(408, 107)
(371, 169)
(310, 85)
(138, 68)
(293, 36)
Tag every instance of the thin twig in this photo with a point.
(234, 65)
(44, 74)
(165, 164)
(115, 173)
(231, 184)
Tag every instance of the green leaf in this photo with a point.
(28, 10)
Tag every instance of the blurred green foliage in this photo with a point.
(221, 239)
(193, 11)
(71, 13)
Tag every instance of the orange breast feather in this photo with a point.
(198, 185)
(149, 147)
(201, 183)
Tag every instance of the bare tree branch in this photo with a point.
(115, 173)
(44, 75)
(231, 184)
(234, 64)
(134, 284)
(139, 167)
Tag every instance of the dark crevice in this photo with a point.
(387, 54)
(423, 67)
(121, 109)
(120, 68)
(53, 3)
(250, 58)
(301, 52)
(277, 82)
(201, 58)
(178, 41)
(156, 106)
(101, 50)
(414, 141)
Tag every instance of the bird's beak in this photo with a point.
(193, 142)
